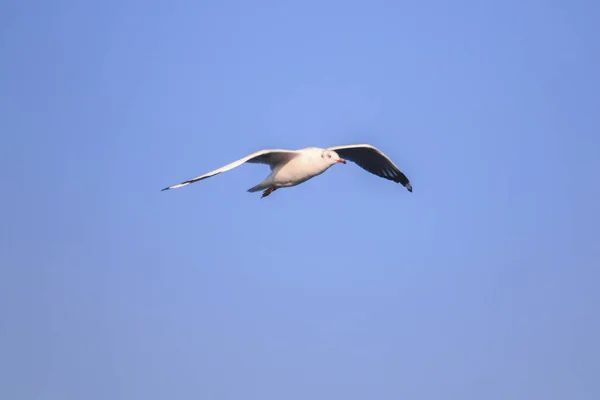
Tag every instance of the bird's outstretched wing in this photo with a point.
(373, 160)
(270, 157)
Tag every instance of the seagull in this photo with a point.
(293, 167)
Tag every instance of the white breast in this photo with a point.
(300, 169)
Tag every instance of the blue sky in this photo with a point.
(482, 283)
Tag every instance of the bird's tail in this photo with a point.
(259, 187)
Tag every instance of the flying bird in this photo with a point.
(292, 167)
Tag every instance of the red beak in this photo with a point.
(341, 160)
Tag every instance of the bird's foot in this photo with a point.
(268, 191)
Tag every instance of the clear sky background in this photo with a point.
(481, 284)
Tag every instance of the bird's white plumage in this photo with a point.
(292, 167)
(271, 157)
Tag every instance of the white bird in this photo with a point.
(292, 167)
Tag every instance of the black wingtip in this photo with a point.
(408, 186)
(162, 190)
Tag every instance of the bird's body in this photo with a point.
(306, 165)
(293, 167)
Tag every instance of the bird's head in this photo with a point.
(331, 157)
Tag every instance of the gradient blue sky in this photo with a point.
(481, 284)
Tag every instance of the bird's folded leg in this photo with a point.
(268, 191)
